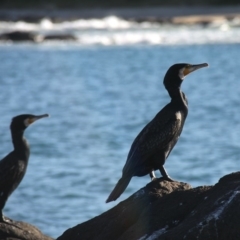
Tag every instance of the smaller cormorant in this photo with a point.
(154, 143)
(14, 165)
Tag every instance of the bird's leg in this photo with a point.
(2, 217)
(2, 204)
(165, 175)
(152, 175)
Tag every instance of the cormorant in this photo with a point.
(154, 143)
(14, 165)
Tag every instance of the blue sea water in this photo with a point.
(99, 98)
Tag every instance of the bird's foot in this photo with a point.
(167, 178)
(152, 176)
(153, 179)
(165, 175)
(3, 219)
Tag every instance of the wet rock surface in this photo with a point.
(169, 210)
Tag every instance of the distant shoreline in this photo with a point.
(158, 14)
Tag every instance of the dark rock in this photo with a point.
(17, 36)
(169, 210)
(59, 37)
(15, 230)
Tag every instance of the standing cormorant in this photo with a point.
(154, 143)
(14, 165)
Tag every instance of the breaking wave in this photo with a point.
(116, 31)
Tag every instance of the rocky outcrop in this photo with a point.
(169, 210)
(17, 36)
(15, 230)
(59, 37)
(160, 211)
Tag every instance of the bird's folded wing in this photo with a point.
(156, 135)
(7, 171)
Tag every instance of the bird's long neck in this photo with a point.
(20, 145)
(177, 95)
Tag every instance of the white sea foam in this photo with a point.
(116, 31)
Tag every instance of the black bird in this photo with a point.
(154, 143)
(14, 165)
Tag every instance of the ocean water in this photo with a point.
(99, 97)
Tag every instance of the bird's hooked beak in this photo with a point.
(32, 119)
(190, 68)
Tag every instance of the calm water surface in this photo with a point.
(99, 98)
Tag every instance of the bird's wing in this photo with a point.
(7, 171)
(156, 135)
(157, 125)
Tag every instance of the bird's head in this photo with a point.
(177, 72)
(21, 122)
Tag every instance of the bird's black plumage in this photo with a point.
(154, 143)
(14, 165)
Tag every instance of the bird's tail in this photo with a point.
(119, 188)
